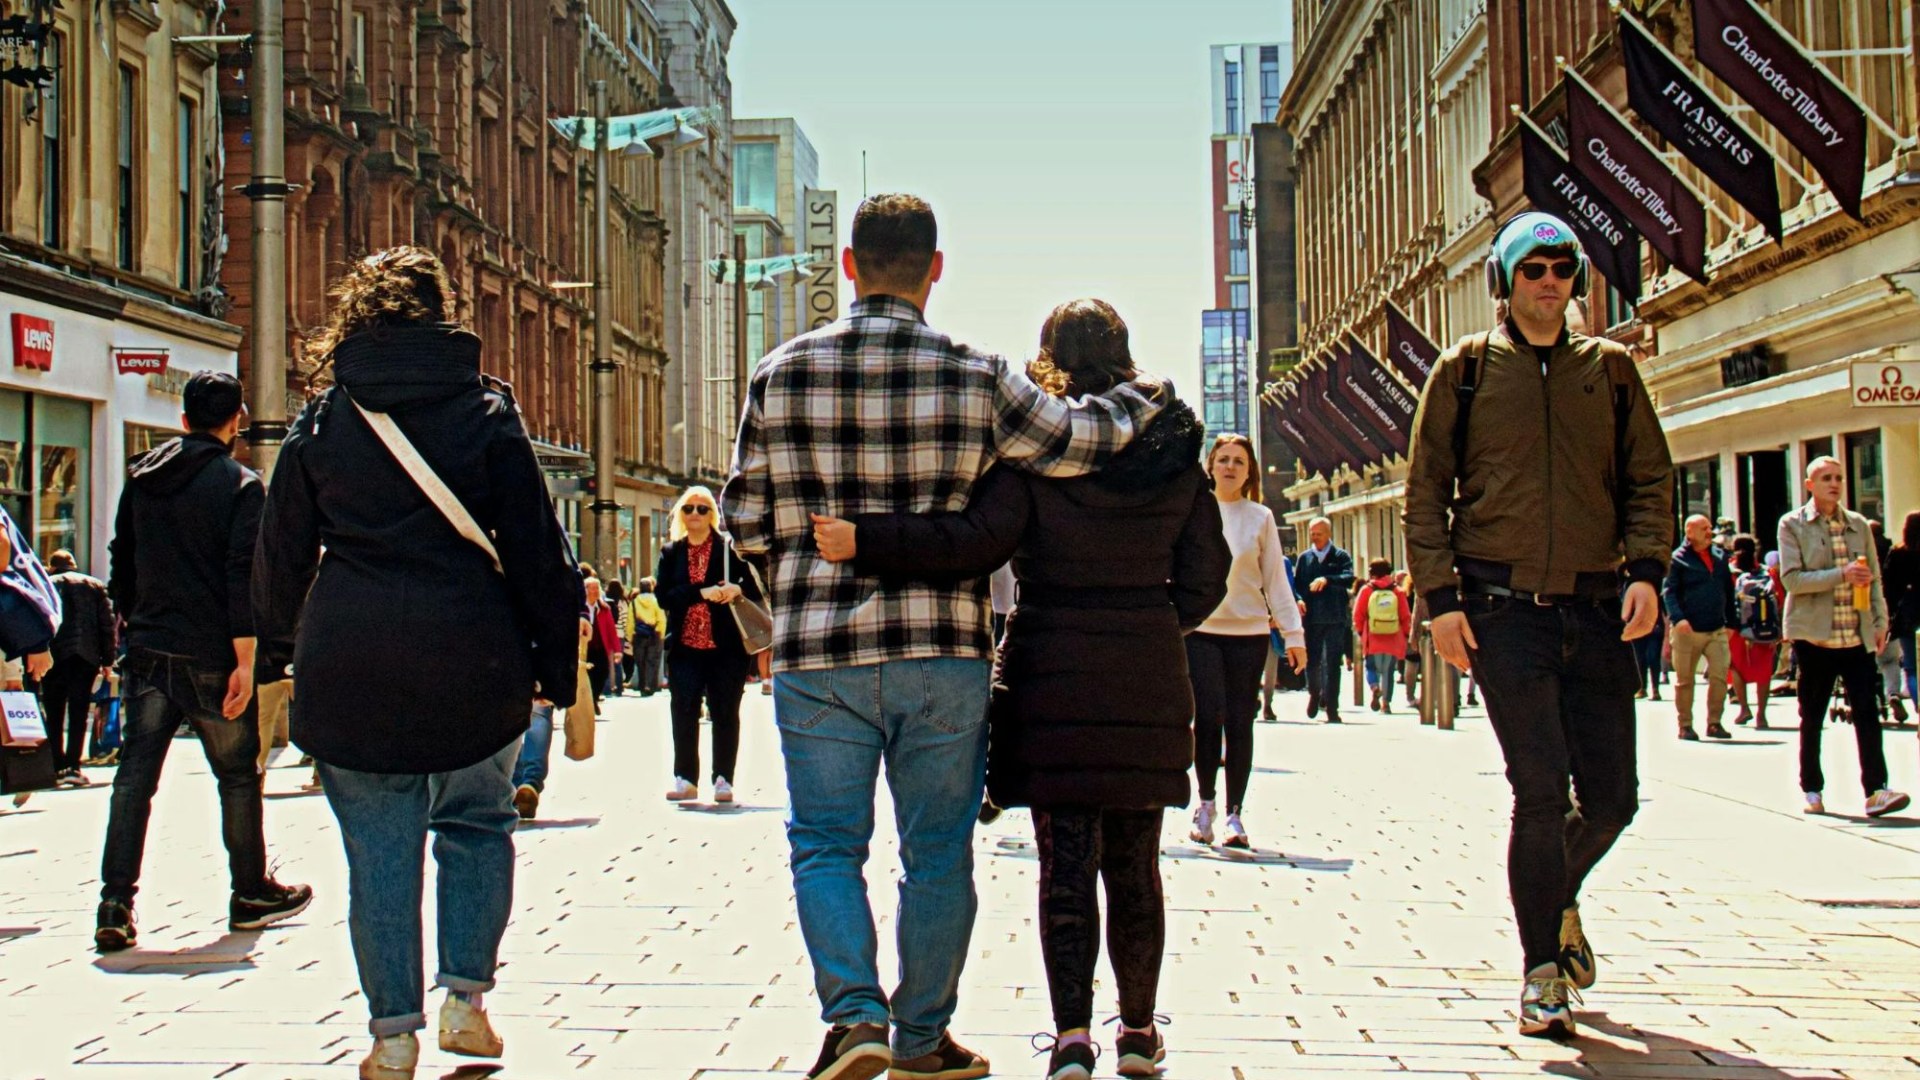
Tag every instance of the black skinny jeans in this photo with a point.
(67, 692)
(1120, 848)
(720, 677)
(1225, 670)
(1856, 669)
(1328, 646)
(1558, 684)
(1225, 673)
(161, 692)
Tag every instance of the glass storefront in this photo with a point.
(1866, 482)
(46, 470)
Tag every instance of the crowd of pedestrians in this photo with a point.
(1119, 537)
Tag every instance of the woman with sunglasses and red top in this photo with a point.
(698, 576)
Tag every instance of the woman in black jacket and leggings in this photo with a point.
(697, 578)
(1112, 570)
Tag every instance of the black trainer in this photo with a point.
(113, 926)
(268, 904)
(1072, 1061)
(1140, 1052)
(856, 1052)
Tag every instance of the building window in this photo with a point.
(125, 157)
(1619, 311)
(1697, 485)
(46, 452)
(1233, 97)
(1240, 296)
(1225, 388)
(1269, 82)
(357, 50)
(755, 177)
(1866, 481)
(53, 159)
(1236, 245)
(189, 248)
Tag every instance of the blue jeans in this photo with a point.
(1907, 667)
(1380, 669)
(925, 720)
(535, 749)
(384, 820)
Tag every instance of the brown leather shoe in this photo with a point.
(948, 1061)
(854, 1052)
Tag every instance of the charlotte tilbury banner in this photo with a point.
(1411, 352)
(1321, 448)
(1665, 94)
(1553, 185)
(1766, 67)
(1631, 175)
(1366, 405)
(1343, 443)
(1357, 418)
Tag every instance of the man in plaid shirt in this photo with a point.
(880, 413)
(1826, 551)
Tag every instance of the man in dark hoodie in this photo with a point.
(182, 564)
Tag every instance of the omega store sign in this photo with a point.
(1885, 382)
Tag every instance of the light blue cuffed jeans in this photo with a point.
(925, 721)
(384, 821)
(536, 748)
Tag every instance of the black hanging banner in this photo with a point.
(1360, 419)
(1340, 444)
(1631, 175)
(1666, 95)
(1552, 185)
(1767, 68)
(1411, 352)
(1289, 431)
(1386, 389)
(1317, 447)
(1370, 411)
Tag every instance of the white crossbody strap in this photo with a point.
(429, 481)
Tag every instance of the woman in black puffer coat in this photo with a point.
(1113, 570)
(419, 657)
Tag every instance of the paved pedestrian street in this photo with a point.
(1368, 934)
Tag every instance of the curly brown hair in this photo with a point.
(1083, 350)
(401, 286)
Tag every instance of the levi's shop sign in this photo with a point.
(32, 342)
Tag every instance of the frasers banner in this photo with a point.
(1886, 383)
(822, 238)
(1555, 186)
(1749, 51)
(1631, 175)
(1666, 95)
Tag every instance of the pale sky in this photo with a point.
(1062, 143)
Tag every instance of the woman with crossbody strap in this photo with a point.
(415, 477)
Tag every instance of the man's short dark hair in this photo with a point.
(1379, 568)
(210, 399)
(894, 238)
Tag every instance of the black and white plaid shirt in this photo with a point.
(879, 413)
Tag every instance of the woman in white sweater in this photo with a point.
(1226, 655)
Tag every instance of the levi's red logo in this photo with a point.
(32, 343)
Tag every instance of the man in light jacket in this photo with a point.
(1826, 553)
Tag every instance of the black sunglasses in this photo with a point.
(696, 508)
(1564, 270)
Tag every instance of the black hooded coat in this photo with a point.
(1091, 707)
(411, 653)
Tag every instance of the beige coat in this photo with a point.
(1810, 576)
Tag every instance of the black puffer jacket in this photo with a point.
(86, 624)
(413, 654)
(1113, 569)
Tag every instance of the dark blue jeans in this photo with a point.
(161, 692)
(1558, 684)
(1328, 645)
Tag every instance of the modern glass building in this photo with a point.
(1226, 392)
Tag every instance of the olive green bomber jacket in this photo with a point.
(1537, 486)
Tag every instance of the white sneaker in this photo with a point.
(394, 1057)
(1885, 802)
(1202, 823)
(722, 791)
(1236, 837)
(683, 790)
(1817, 805)
(465, 1030)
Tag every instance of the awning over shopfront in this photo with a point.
(631, 134)
(760, 271)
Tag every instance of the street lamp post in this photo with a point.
(605, 508)
(739, 326)
(266, 90)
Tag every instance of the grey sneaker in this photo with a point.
(1546, 1011)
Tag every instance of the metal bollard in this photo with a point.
(1357, 654)
(1446, 695)
(1429, 673)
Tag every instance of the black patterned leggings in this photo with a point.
(1121, 848)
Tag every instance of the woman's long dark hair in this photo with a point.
(1910, 531)
(1083, 350)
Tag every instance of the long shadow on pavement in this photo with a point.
(232, 951)
(1604, 1057)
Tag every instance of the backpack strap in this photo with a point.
(1616, 358)
(1473, 353)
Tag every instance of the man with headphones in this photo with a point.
(1539, 523)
